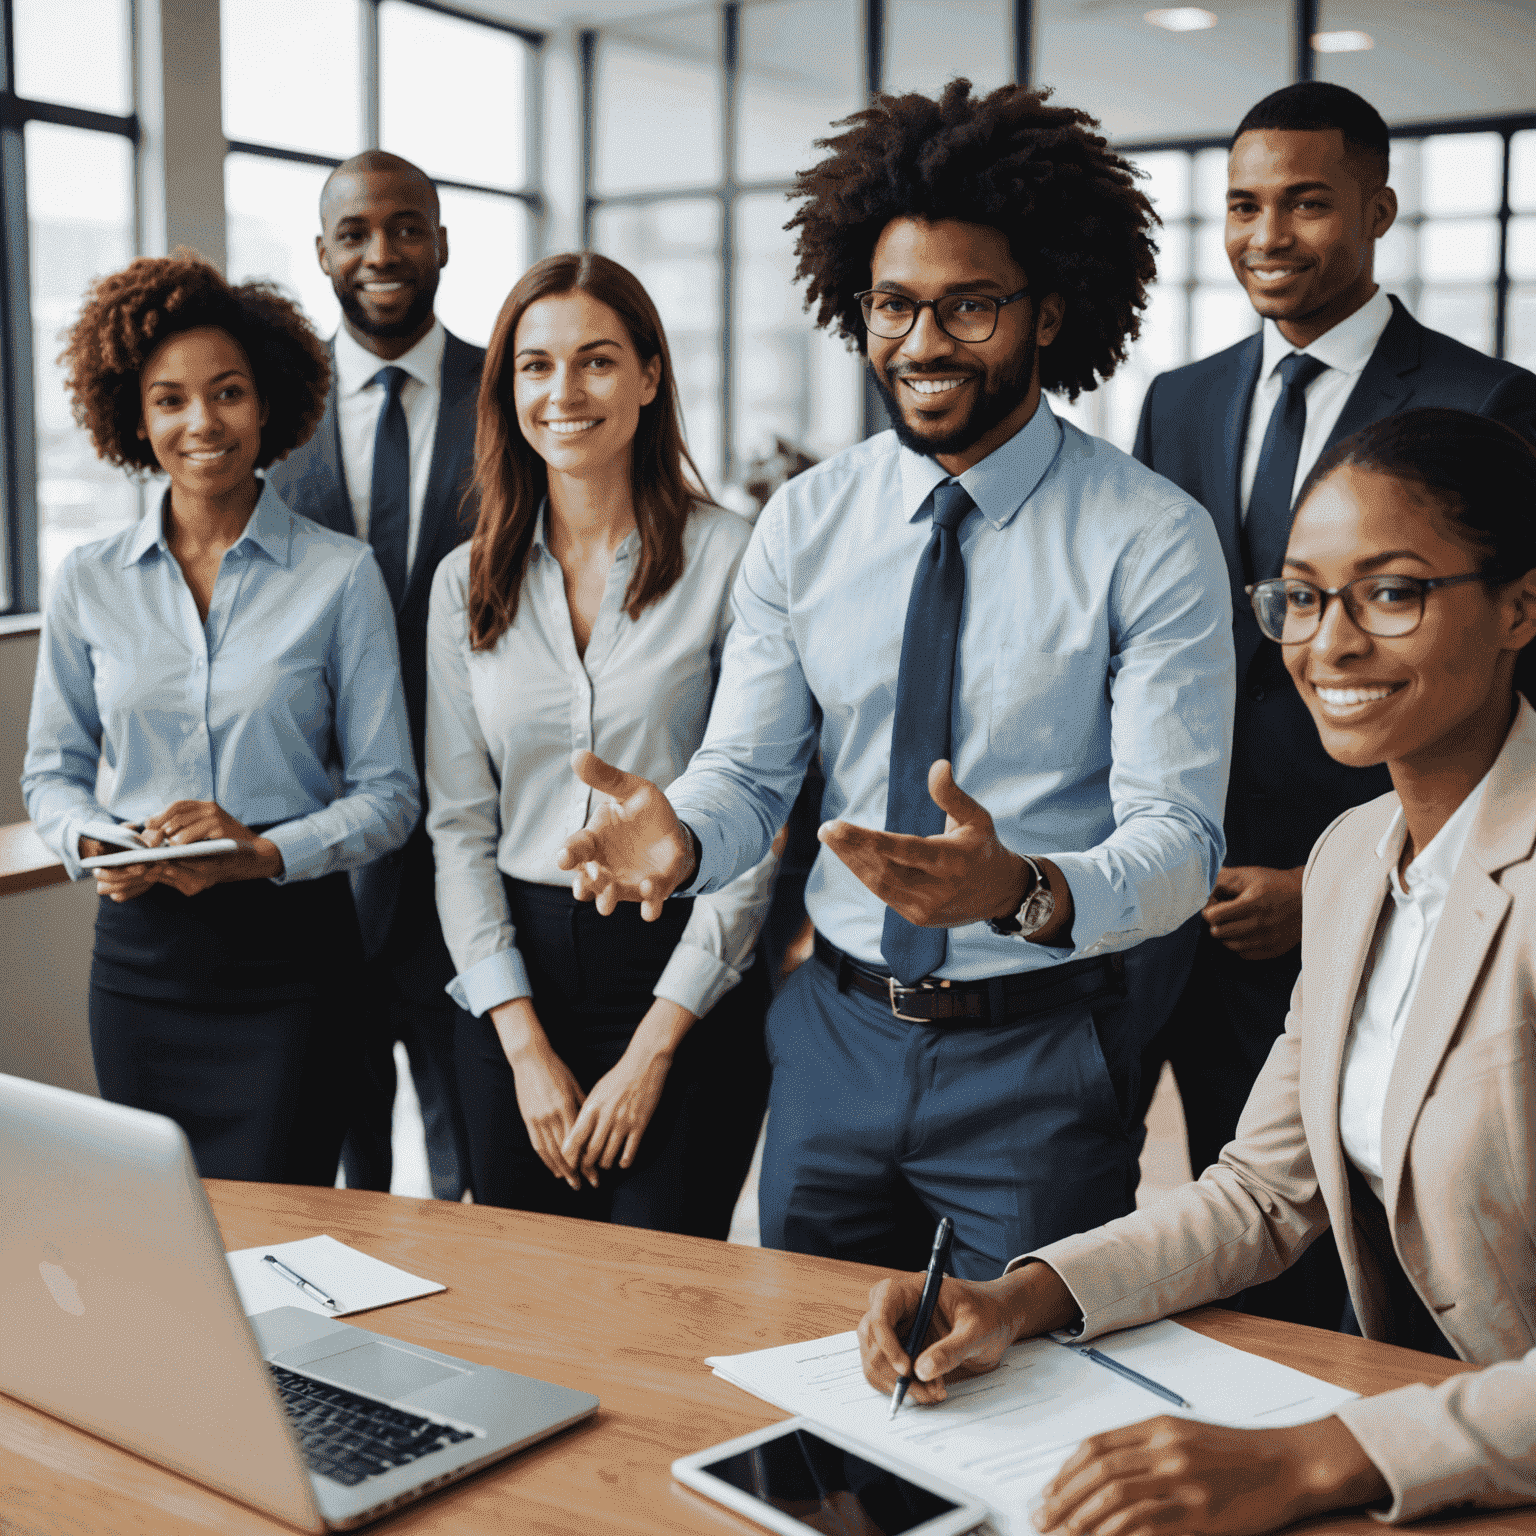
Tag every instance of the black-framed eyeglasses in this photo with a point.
(968, 317)
(1290, 610)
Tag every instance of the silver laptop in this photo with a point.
(118, 1314)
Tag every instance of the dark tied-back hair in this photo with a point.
(1482, 475)
(1315, 106)
(1039, 173)
(511, 480)
(128, 315)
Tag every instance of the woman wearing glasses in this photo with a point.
(1399, 1106)
(612, 1069)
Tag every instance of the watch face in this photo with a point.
(1037, 911)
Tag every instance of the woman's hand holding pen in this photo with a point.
(973, 1323)
(548, 1096)
(633, 849)
(187, 821)
(617, 1111)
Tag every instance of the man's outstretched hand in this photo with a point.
(963, 874)
(633, 849)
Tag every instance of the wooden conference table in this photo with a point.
(627, 1315)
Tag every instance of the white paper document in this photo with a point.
(354, 1280)
(1002, 1436)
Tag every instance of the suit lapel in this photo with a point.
(1385, 384)
(1229, 515)
(1475, 907)
(453, 447)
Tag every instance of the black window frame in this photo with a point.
(19, 568)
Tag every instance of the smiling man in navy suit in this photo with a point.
(391, 463)
(1307, 200)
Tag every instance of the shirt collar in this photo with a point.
(1001, 483)
(1432, 868)
(628, 545)
(356, 366)
(269, 529)
(1347, 347)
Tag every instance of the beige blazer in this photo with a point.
(1458, 1155)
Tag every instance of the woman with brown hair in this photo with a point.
(612, 1069)
(235, 667)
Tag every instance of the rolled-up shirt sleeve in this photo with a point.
(58, 779)
(464, 817)
(380, 797)
(719, 939)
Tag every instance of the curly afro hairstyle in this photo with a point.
(128, 314)
(1067, 203)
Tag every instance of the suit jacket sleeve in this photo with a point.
(1143, 449)
(1513, 401)
(1471, 1440)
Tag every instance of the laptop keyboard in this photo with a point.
(347, 1437)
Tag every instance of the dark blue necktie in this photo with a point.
(389, 494)
(925, 689)
(1267, 529)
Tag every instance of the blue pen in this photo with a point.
(1166, 1393)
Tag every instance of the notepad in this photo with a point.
(1003, 1436)
(357, 1281)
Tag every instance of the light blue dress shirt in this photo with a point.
(285, 707)
(1093, 696)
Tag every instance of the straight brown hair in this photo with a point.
(511, 479)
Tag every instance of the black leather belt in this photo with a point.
(973, 1004)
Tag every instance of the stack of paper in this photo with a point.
(355, 1281)
(1003, 1436)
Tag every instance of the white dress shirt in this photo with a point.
(358, 403)
(1391, 978)
(1346, 349)
(502, 724)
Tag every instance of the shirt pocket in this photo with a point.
(1049, 711)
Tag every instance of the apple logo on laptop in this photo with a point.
(61, 1284)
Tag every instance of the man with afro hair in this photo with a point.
(1012, 644)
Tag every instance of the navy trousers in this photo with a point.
(1022, 1132)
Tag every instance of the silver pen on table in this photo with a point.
(1166, 1393)
(293, 1277)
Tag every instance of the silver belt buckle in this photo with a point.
(894, 988)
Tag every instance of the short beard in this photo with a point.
(992, 406)
(414, 319)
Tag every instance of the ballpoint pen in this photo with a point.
(1166, 1393)
(294, 1278)
(931, 1283)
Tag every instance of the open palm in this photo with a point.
(633, 849)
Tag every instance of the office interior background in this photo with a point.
(666, 136)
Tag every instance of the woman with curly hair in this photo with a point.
(615, 1070)
(984, 597)
(234, 668)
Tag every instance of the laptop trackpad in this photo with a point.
(380, 1370)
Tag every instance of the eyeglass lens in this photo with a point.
(1385, 606)
(965, 316)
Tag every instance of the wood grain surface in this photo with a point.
(624, 1314)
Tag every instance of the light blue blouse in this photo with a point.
(285, 706)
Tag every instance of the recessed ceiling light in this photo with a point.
(1342, 42)
(1182, 18)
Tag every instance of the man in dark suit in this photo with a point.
(1307, 200)
(391, 462)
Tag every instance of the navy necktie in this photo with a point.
(389, 493)
(1267, 528)
(925, 689)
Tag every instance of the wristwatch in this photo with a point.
(1038, 909)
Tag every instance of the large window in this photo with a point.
(309, 82)
(1461, 256)
(699, 121)
(67, 134)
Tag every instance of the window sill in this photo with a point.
(26, 862)
(20, 623)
